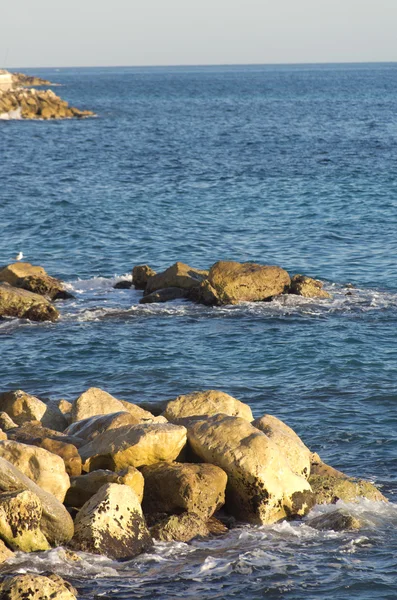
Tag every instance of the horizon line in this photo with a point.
(201, 65)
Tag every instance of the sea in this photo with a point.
(290, 165)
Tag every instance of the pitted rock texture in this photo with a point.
(112, 523)
(179, 487)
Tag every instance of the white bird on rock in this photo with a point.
(19, 256)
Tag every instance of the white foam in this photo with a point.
(12, 115)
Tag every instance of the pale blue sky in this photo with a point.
(44, 33)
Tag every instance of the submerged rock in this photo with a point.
(165, 295)
(34, 279)
(19, 303)
(177, 487)
(207, 402)
(337, 520)
(20, 519)
(36, 587)
(297, 454)
(330, 485)
(231, 282)
(307, 287)
(261, 488)
(180, 528)
(179, 275)
(38, 104)
(140, 276)
(112, 523)
(56, 523)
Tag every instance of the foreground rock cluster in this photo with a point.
(106, 476)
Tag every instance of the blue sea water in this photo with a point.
(289, 165)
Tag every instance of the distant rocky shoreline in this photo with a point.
(20, 99)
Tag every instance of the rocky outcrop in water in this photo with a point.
(226, 282)
(38, 104)
(15, 302)
(34, 279)
(23, 80)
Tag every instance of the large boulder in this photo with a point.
(232, 282)
(56, 523)
(89, 428)
(112, 523)
(262, 488)
(34, 279)
(82, 488)
(19, 303)
(178, 487)
(330, 485)
(43, 467)
(297, 454)
(134, 445)
(178, 275)
(207, 402)
(20, 518)
(23, 407)
(140, 276)
(180, 528)
(36, 587)
(307, 287)
(95, 402)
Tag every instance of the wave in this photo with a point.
(243, 550)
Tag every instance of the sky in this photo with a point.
(45, 33)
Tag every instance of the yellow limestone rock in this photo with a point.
(112, 523)
(178, 275)
(95, 402)
(208, 402)
(133, 445)
(56, 523)
(20, 517)
(232, 282)
(46, 469)
(36, 587)
(34, 279)
(297, 454)
(176, 487)
(262, 488)
(82, 488)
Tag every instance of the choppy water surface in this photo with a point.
(281, 165)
